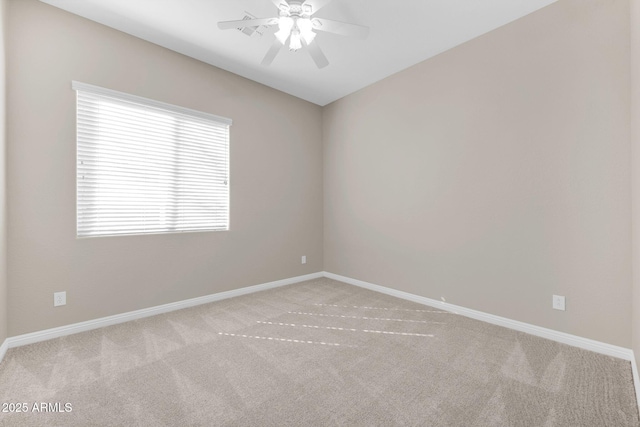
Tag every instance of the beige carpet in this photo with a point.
(318, 353)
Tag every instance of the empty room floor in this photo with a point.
(320, 353)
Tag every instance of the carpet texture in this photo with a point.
(317, 353)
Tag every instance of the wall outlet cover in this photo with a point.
(59, 298)
(559, 302)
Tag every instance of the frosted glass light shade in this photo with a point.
(285, 24)
(306, 29)
(295, 42)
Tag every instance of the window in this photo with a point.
(148, 167)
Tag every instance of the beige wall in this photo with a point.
(635, 167)
(492, 176)
(3, 225)
(496, 174)
(276, 177)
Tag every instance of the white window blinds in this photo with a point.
(148, 167)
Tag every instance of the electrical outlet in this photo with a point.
(559, 302)
(59, 298)
(304, 259)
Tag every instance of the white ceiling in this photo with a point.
(402, 33)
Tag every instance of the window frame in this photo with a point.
(173, 110)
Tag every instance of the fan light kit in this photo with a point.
(297, 25)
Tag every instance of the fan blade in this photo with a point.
(341, 28)
(316, 54)
(316, 5)
(228, 25)
(272, 52)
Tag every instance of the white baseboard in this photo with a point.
(573, 340)
(3, 349)
(562, 337)
(75, 328)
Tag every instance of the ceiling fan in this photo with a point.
(297, 25)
